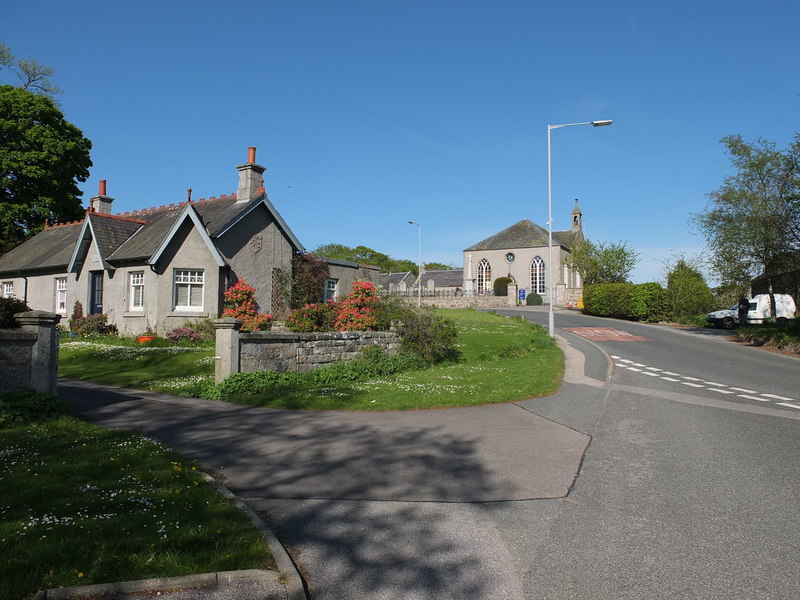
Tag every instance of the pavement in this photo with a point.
(491, 453)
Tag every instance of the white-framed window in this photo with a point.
(189, 289)
(8, 289)
(331, 289)
(484, 277)
(136, 298)
(61, 295)
(538, 281)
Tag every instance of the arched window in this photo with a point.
(484, 276)
(538, 284)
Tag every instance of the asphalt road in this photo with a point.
(689, 488)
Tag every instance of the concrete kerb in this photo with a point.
(287, 575)
(286, 566)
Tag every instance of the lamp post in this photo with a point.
(550, 271)
(419, 278)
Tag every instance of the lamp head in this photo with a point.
(601, 123)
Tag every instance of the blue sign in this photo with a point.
(522, 294)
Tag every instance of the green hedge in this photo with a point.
(638, 302)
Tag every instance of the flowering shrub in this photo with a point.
(93, 325)
(311, 317)
(240, 303)
(183, 334)
(357, 311)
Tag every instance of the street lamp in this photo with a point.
(550, 272)
(419, 278)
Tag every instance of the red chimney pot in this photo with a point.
(102, 191)
(251, 154)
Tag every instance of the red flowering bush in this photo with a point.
(357, 311)
(240, 303)
(311, 317)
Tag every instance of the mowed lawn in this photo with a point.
(502, 360)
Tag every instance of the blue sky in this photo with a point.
(371, 113)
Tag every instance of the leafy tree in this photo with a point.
(32, 75)
(602, 262)
(42, 157)
(752, 222)
(687, 291)
(368, 256)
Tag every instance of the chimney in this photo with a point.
(101, 203)
(251, 177)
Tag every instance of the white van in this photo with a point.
(760, 310)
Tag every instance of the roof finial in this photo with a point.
(188, 194)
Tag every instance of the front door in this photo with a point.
(96, 295)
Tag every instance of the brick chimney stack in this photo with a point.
(251, 177)
(101, 203)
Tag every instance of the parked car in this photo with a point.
(760, 311)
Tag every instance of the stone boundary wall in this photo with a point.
(280, 351)
(464, 301)
(29, 354)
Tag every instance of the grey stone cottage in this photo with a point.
(158, 268)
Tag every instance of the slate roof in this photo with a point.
(448, 278)
(50, 249)
(524, 234)
(387, 279)
(133, 236)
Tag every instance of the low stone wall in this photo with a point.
(464, 301)
(247, 352)
(29, 354)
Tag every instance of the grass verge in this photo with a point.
(780, 337)
(502, 359)
(81, 505)
(177, 370)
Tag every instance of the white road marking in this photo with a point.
(774, 397)
(749, 397)
(713, 386)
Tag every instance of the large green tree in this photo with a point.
(687, 290)
(603, 262)
(42, 159)
(752, 222)
(368, 256)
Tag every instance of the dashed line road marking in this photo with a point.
(774, 397)
(720, 388)
(749, 397)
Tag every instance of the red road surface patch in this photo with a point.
(606, 334)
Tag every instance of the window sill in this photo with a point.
(187, 312)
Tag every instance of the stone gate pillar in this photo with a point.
(226, 356)
(44, 353)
